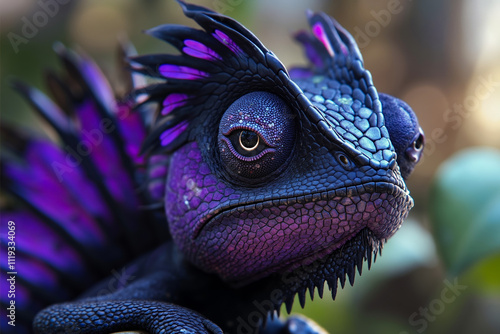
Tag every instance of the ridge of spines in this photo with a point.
(366, 251)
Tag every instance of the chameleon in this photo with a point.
(209, 196)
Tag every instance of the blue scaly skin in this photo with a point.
(272, 183)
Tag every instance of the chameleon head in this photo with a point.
(270, 193)
(267, 173)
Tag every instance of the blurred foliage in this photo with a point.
(441, 56)
(465, 208)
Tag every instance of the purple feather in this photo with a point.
(97, 143)
(319, 31)
(69, 200)
(173, 101)
(157, 174)
(169, 135)
(97, 82)
(224, 39)
(132, 131)
(199, 50)
(181, 72)
(311, 50)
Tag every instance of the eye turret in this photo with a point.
(256, 136)
(407, 136)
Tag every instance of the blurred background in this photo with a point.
(441, 272)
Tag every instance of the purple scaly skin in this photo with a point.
(273, 183)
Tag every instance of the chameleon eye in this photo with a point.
(256, 136)
(245, 144)
(249, 140)
(414, 152)
(343, 160)
(418, 144)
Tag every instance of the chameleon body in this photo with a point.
(272, 183)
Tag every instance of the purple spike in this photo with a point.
(97, 82)
(44, 183)
(173, 101)
(313, 56)
(39, 275)
(169, 135)
(157, 173)
(311, 51)
(224, 39)
(132, 131)
(319, 31)
(181, 72)
(156, 189)
(199, 50)
(54, 113)
(35, 272)
(55, 164)
(38, 240)
(96, 141)
(78, 186)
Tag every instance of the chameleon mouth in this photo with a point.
(377, 187)
(296, 231)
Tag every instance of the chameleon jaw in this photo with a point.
(304, 229)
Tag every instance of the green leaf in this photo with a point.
(465, 208)
(484, 276)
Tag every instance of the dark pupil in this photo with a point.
(418, 143)
(248, 138)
